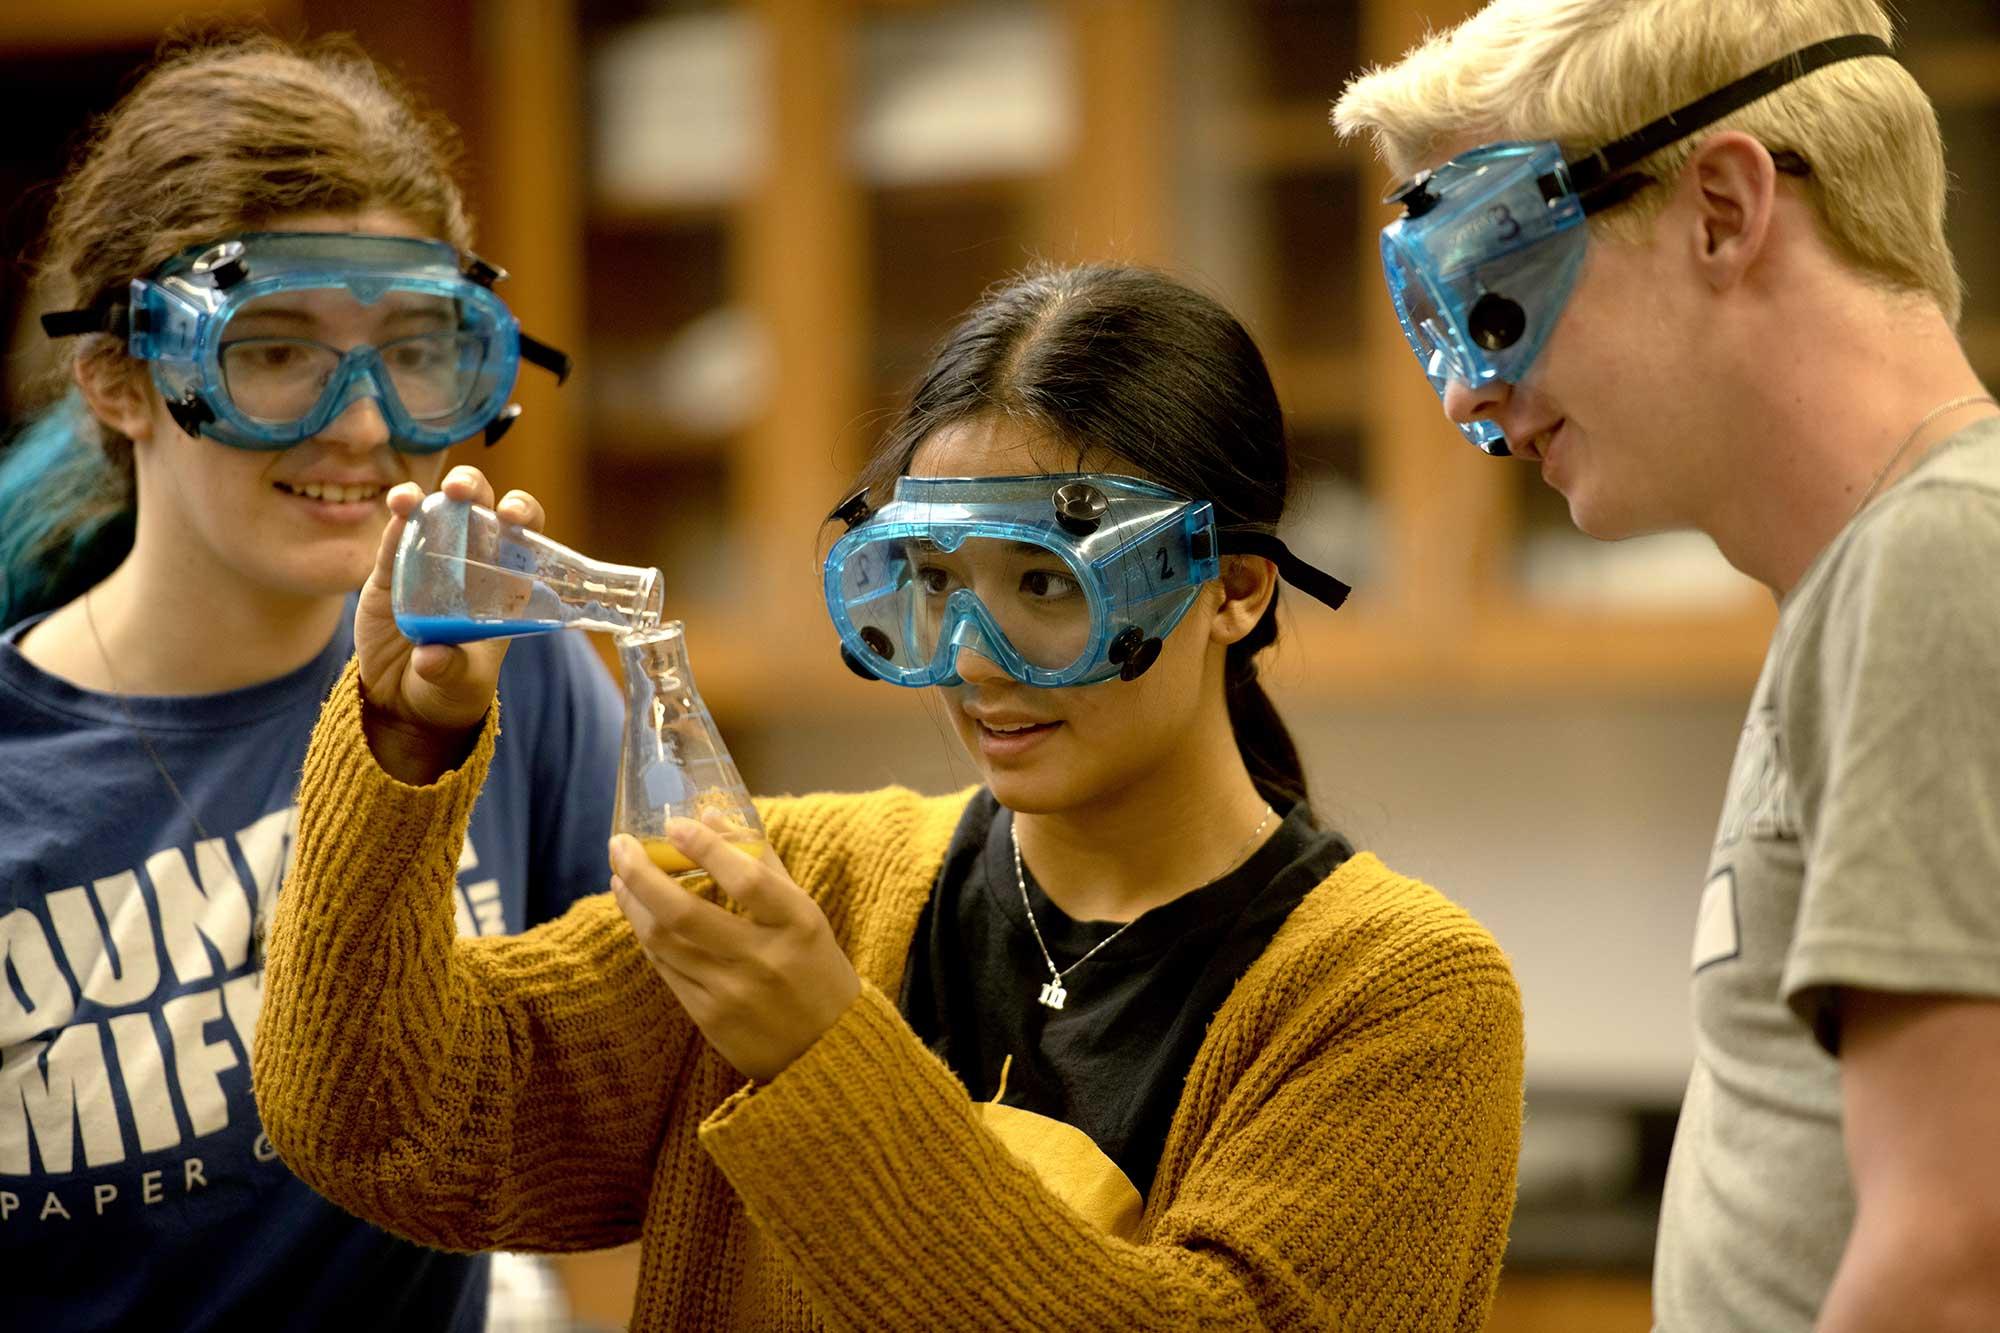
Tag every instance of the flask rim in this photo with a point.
(639, 638)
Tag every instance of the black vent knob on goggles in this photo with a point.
(1058, 579)
(252, 339)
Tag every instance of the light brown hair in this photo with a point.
(227, 132)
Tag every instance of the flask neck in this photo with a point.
(656, 660)
(594, 593)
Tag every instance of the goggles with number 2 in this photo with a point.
(1059, 579)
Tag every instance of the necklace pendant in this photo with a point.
(1053, 994)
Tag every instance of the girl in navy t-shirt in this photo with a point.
(267, 317)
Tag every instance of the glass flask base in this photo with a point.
(682, 866)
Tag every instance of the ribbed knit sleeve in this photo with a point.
(470, 1094)
(1355, 1168)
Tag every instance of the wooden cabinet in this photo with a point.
(806, 290)
(751, 221)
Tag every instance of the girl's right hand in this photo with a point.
(425, 704)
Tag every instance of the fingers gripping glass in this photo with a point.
(263, 340)
(1488, 248)
(1060, 579)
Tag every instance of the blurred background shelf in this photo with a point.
(752, 220)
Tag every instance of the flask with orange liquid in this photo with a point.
(675, 764)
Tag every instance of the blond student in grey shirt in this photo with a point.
(1688, 257)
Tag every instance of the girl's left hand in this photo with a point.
(762, 984)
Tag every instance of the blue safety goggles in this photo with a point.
(1059, 579)
(1489, 245)
(263, 340)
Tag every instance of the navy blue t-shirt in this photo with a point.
(137, 1189)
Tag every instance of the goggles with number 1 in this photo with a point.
(262, 340)
(1059, 579)
(1483, 259)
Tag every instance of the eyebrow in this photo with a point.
(273, 314)
(441, 315)
(925, 546)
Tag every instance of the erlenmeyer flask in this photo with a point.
(462, 573)
(675, 764)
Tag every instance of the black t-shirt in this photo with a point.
(1112, 1061)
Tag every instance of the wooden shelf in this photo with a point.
(1320, 388)
(851, 279)
(623, 216)
(1982, 345)
(1322, 659)
(1284, 138)
(1517, 652)
(122, 22)
(1960, 74)
(630, 439)
(951, 189)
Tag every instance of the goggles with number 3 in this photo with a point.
(1059, 579)
(1482, 261)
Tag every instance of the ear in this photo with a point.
(118, 393)
(1248, 582)
(1732, 186)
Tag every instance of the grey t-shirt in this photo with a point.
(1859, 846)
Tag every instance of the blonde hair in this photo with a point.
(1584, 72)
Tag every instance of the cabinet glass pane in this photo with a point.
(1330, 520)
(1557, 566)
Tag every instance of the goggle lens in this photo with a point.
(911, 599)
(278, 381)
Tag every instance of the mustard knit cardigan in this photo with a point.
(1342, 1157)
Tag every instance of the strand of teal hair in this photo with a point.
(49, 477)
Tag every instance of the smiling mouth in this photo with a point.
(312, 490)
(1536, 446)
(1015, 728)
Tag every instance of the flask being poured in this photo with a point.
(463, 573)
(675, 764)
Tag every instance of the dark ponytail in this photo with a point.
(1261, 735)
(1129, 361)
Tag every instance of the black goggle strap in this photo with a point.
(1596, 178)
(1313, 582)
(534, 351)
(107, 314)
(552, 359)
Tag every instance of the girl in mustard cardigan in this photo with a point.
(1123, 1039)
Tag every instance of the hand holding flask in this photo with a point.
(463, 573)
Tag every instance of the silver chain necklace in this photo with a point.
(118, 696)
(1053, 995)
(1910, 439)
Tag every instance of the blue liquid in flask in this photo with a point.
(464, 629)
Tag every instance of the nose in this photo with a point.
(360, 427)
(1465, 404)
(976, 668)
